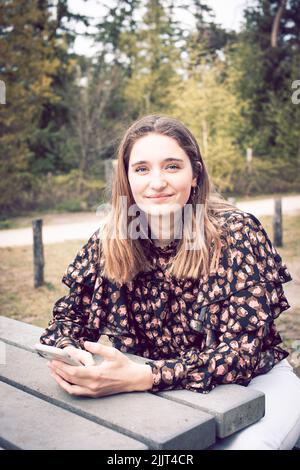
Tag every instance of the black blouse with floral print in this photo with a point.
(197, 334)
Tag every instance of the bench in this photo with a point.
(38, 414)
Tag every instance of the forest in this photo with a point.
(64, 113)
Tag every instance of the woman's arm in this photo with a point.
(69, 325)
(232, 361)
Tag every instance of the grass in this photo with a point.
(290, 236)
(18, 297)
(21, 301)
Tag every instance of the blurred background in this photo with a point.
(74, 74)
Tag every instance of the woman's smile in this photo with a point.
(159, 197)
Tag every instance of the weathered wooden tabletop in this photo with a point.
(37, 414)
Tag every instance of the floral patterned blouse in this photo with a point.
(197, 334)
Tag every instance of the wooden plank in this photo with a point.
(29, 423)
(233, 406)
(19, 333)
(158, 423)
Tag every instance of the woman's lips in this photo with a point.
(160, 197)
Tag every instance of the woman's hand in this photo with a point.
(116, 374)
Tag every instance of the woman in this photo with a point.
(179, 276)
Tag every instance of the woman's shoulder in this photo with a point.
(85, 266)
(236, 218)
(237, 225)
(93, 241)
(245, 237)
(250, 247)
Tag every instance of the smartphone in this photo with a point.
(57, 354)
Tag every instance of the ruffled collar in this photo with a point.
(167, 250)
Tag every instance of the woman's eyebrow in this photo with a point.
(170, 159)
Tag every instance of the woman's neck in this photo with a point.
(162, 229)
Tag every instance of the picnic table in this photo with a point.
(37, 414)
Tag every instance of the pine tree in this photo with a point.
(54, 150)
(156, 62)
(266, 62)
(27, 66)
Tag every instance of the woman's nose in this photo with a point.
(157, 181)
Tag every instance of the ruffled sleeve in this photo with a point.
(69, 325)
(236, 311)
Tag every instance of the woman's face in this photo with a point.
(160, 174)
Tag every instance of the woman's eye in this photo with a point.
(174, 166)
(140, 168)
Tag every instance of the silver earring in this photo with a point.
(193, 193)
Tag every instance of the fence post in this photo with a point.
(2, 92)
(249, 158)
(277, 223)
(38, 252)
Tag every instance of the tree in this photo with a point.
(53, 148)
(115, 33)
(90, 97)
(155, 64)
(27, 66)
(115, 38)
(208, 107)
(205, 41)
(276, 23)
(264, 71)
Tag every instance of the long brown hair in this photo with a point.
(125, 258)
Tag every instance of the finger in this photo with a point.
(73, 374)
(81, 375)
(74, 390)
(63, 383)
(85, 358)
(75, 381)
(107, 352)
